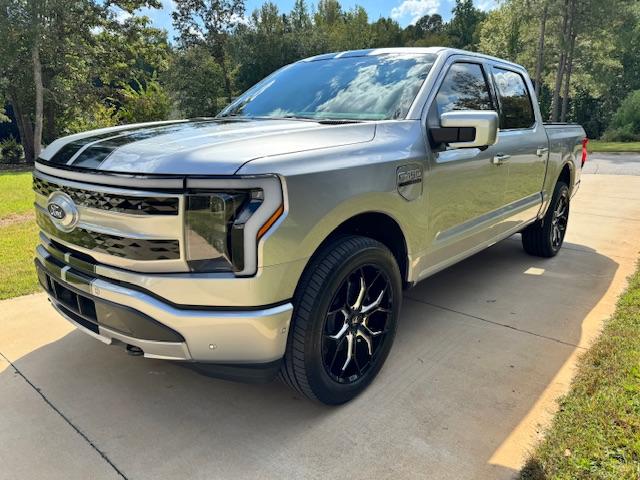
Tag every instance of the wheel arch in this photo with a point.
(566, 174)
(379, 226)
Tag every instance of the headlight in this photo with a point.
(223, 226)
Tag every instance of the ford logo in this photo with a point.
(62, 211)
(56, 211)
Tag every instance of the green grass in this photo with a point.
(17, 246)
(600, 146)
(596, 433)
(16, 196)
(18, 236)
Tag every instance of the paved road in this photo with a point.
(613, 164)
(482, 351)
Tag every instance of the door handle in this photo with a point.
(499, 159)
(541, 151)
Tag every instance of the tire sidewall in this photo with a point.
(324, 387)
(561, 190)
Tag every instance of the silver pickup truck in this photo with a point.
(277, 237)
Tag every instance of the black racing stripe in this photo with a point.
(94, 155)
(65, 154)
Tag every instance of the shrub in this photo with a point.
(96, 116)
(146, 103)
(11, 151)
(625, 124)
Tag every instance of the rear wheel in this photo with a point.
(544, 238)
(344, 322)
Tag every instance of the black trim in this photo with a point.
(91, 311)
(238, 372)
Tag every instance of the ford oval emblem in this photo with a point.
(62, 211)
(56, 211)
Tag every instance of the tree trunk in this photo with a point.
(39, 110)
(24, 127)
(567, 81)
(555, 100)
(540, 59)
(227, 80)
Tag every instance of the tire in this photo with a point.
(544, 238)
(330, 314)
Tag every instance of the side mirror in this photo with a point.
(467, 129)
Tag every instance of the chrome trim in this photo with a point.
(111, 188)
(117, 179)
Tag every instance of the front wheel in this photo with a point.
(344, 322)
(544, 238)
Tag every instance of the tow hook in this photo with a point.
(134, 351)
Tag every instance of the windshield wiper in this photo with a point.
(323, 121)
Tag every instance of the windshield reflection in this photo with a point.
(373, 87)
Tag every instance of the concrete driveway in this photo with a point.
(483, 350)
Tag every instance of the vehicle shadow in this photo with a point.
(476, 347)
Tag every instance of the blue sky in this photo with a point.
(404, 11)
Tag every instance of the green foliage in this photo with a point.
(625, 125)
(11, 151)
(196, 82)
(90, 117)
(465, 24)
(145, 103)
(93, 56)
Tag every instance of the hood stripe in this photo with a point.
(67, 151)
(97, 152)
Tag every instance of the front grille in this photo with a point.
(129, 248)
(112, 202)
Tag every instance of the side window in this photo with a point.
(515, 104)
(464, 88)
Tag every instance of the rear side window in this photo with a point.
(515, 104)
(464, 88)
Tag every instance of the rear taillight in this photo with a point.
(585, 141)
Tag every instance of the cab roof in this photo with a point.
(446, 51)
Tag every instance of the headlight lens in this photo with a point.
(225, 219)
(214, 229)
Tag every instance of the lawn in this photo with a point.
(596, 433)
(600, 146)
(18, 235)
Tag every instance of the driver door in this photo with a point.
(465, 186)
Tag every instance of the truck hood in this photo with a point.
(197, 147)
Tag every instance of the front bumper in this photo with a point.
(122, 314)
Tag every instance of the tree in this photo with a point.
(195, 81)
(47, 49)
(208, 23)
(464, 25)
(386, 32)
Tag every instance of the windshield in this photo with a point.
(373, 87)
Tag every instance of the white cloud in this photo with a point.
(415, 9)
(486, 5)
(121, 15)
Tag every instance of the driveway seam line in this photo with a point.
(578, 212)
(565, 247)
(493, 322)
(69, 422)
